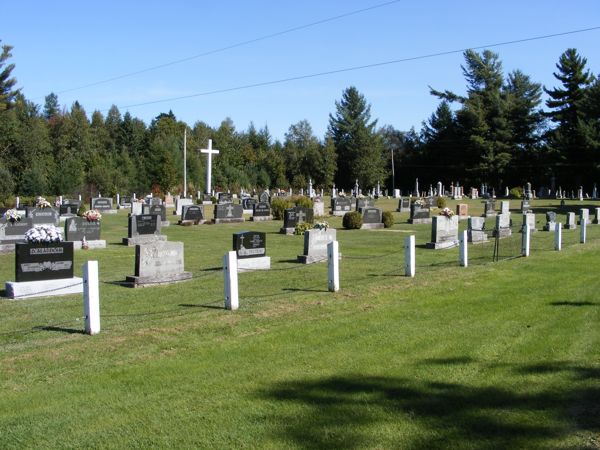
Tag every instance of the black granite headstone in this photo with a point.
(38, 262)
(264, 197)
(261, 209)
(297, 215)
(76, 228)
(41, 216)
(225, 197)
(228, 211)
(248, 203)
(194, 213)
(341, 204)
(372, 215)
(11, 232)
(143, 224)
(159, 209)
(101, 203)
(250, 244)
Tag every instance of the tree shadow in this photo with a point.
(190, 305)
(356, 411)
(304, 290)
(573, 303)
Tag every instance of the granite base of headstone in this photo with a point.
(315, 245)
(475, 230)
(158, 263)
(49, 288)
(444, 232)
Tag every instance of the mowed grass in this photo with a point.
(496, 355)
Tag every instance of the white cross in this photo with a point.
(229, 210)
(301, 216)
(210, 151)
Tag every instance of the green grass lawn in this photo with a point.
(496, 355)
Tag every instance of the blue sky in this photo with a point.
(62, 45)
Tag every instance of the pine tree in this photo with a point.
(7, 83)
(358, 147)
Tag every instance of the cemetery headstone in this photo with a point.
(504, 207)
(419, 214)
(102, 204)
(155, 201)
(584, 216)
(462, 210)
(340, 206)
(160, 210)
(78, 228)
(264, 197)
(571, 224)
(476, 230)
(248, 204)
(192, 215)
(597, 216)
(125, 201)
(143, 229)
(43, 216)
(364, 202)
(13, 232)
(136, 209)
(179, 203)
(550, 221)
(251, 250)
(169, 200)
(318, 207)
(403, 205)
(372, 218)
(503, 229)
(224, 197)
(525, 206)
(261, 212)
(158, 263)
(490, 207)
(69, 208)
(228, 213)
(444, 232)
(315, 245)
(295, 216)
(529, 221)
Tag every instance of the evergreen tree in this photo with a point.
(7, 83)
(51, 106)
(358, 147)
(570, 140)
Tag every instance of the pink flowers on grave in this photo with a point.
(92, 215)
(12, 215)
(41, 202)
(447, 212)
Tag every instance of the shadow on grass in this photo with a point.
(304, 290)
(190, 305)
(356, 411)
(573, 303)
(60, 329)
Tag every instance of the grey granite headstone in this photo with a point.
(315, 245)
(43, 216)
(179, 203)
(102, 204)
(419, 214)
(475, 230)
(372, 218)
(228, 213)
(571, 224)
(261, 211)
(550, 221)
(158, 263)
(403, 205)
(192, 215)
(160, 210)
(502, 228)
(340, 206)
(444, 232)
(142, 229)
(76, 228)
(295, 216)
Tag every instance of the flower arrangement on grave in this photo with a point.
(301, 228)
(92, 215)
(419, 202)
(447, 212)
(41, 202)
(321, 226)
(12, 215)
(43, 234)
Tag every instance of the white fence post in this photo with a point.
(526, 240)
(409, 256)
(558, 237)
(91, 297)
(333, 269)
(583, 231)
(230, 274)
(463, 257)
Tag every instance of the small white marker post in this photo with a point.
(230, 274)
(91, 297)
(558, 237)
(526, 240)
(583, 231)
(333, 269)
(463, 252)
(409, 256)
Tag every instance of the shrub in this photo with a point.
(213, 199)
(388, 219)
(516, 192)
(440, 202)
(352, 220)
(279, 205)
(302, 201)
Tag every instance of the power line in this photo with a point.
(230, 47)
(353, 68)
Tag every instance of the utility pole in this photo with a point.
(393, 172)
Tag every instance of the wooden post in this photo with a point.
(558, 237)
(230, 275)
(91, 297)
(526, 240)
(409, 256)
(333, 270)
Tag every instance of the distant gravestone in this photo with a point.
(248, 204)
(179, 204)
(69, 209)
(372, 218)
(525, 206)
(475, 230)
(462, 210)
(419, 214)
(403, 205)
(502, 229)
(597, 216)
(158, 263)
(228, 213)
(251, 250)
(160, 210)
(571, 224)
(295, 216)
(102, 204)
(264, 197)
(43, 216)
(364, 202)
(550, 221)
(155, 201)
(318, 207)
(315, 245)
(11, 233)
(261, 212)
(125, 201)
(39, 262)
(169, 201)
(340, 206)
(444, 232)
(584, 216)
(192, 215)
(77, 228)
(490, 208)
(143, 229)
(529, 221)
(225, 197)
(504, 207)
(136, 208)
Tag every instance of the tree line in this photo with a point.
(497, 133)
